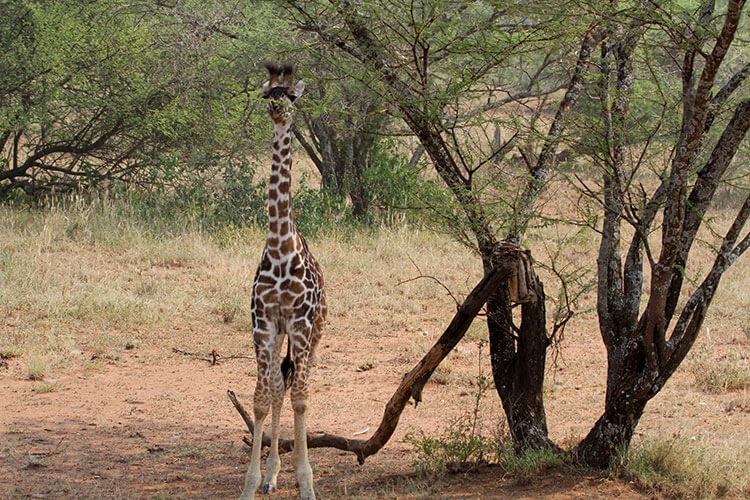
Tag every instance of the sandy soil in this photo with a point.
(153, 423)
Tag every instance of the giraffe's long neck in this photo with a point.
(280, 215)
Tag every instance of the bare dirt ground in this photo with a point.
(158, 424)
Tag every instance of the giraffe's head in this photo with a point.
(280, 92)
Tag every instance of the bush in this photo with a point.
(393, 183)
(459, 444)
(316, 211)
(218, 193)
(213, 190)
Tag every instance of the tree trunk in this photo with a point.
(360, 202)
(641, 354)
(518, 358)
(629, 388)
(610, 435)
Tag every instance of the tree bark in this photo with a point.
(518, 358)
(611, 434)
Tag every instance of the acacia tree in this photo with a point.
(406, 54)
(344, 126)
(644, 348)
(101, 91)
(446, 70)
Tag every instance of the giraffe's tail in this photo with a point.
(287, 367)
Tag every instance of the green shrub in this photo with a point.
(460, 443)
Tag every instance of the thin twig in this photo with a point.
(214, 356)
(421, 276)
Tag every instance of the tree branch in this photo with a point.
(309, 149)
(703, 192)
(688, 324)
(544, 163)
(695, 109)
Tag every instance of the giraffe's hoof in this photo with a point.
(268, 488)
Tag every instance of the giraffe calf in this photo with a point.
(288, 302)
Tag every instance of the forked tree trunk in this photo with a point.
(518, 358)
(642, 352)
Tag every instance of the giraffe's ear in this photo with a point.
(298, 89)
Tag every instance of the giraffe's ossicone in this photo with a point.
(288, 302)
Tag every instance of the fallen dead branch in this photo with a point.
(214, 358)
(411, 385)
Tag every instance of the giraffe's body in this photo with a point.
(288, 301)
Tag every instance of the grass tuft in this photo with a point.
(45, 387)
(675, 469)
(727, 373)
(36, 367)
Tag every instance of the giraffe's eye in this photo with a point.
(277, 92)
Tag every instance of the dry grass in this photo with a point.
(96, 280)
(96, 277)
(36, 367)
(718, 373)
(81, 284)
(676, 469)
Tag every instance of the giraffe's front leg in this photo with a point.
(273, 463)
(253, 475)
(261, 403)
(299, 396)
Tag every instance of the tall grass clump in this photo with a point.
(728, 372)
(36, 367)
(676, 469)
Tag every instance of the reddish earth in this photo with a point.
(158, 424)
